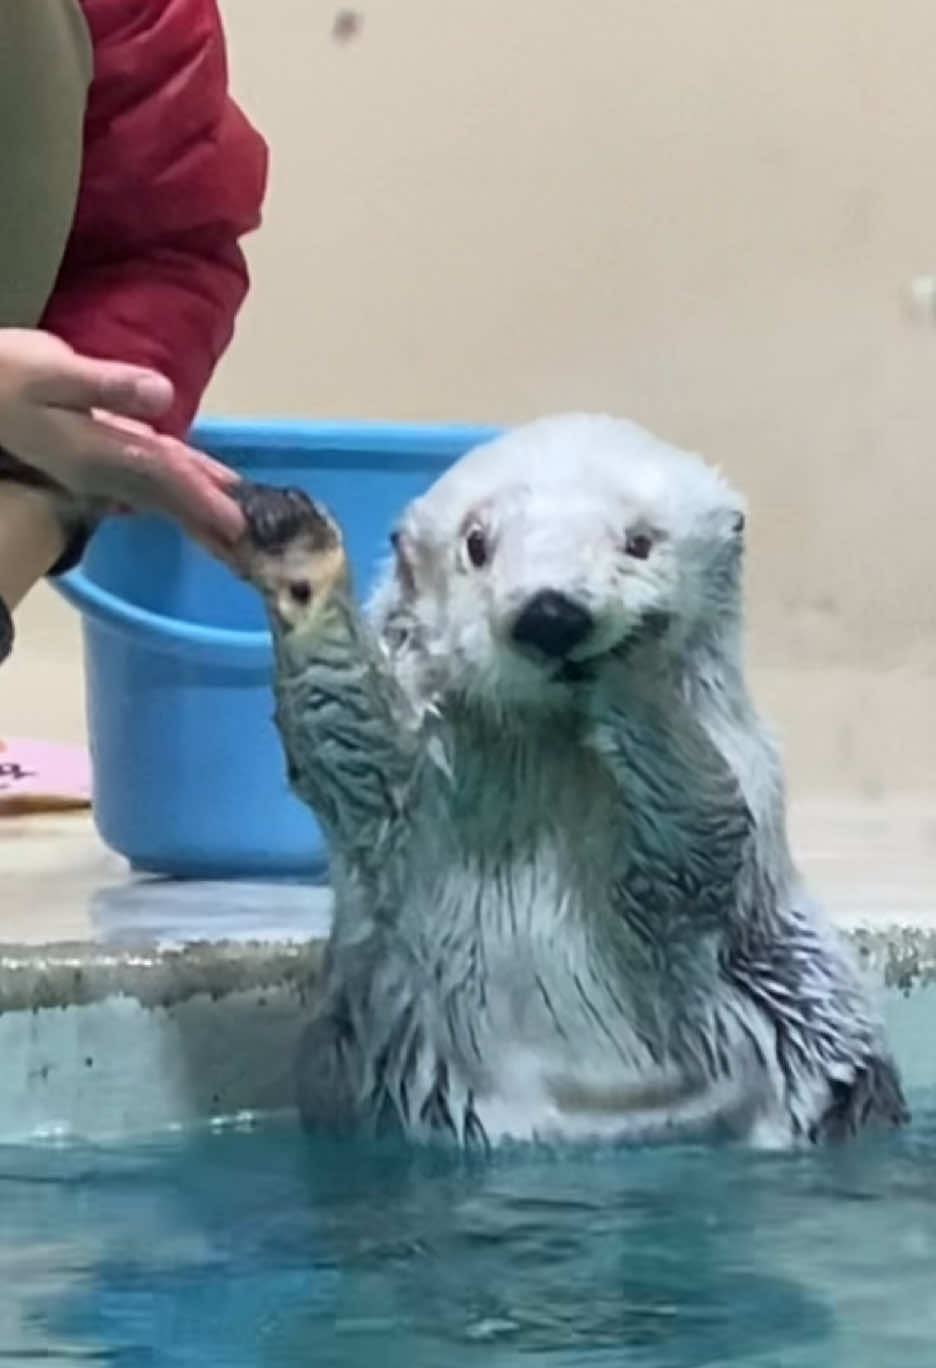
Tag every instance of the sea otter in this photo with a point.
(565, 905)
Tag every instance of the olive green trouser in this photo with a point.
(46, 65)
(45, 70)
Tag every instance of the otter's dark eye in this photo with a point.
(300, 591)
(476, 546)
(639, 545)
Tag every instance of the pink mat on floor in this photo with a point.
(40, 776)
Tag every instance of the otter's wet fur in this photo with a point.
(565, 904)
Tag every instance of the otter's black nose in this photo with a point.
(552, 623)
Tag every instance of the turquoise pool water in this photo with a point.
(241, 1249)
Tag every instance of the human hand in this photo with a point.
(85, 425)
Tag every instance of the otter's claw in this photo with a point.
(276, 518)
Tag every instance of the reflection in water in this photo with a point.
(261, 1249)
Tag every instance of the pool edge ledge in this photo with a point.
(104, 1041)
(165, 973)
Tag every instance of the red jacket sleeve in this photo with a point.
(173, 176)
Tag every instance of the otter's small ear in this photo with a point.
(725, 526)
(404, 562)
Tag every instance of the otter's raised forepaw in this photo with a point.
(292, 550)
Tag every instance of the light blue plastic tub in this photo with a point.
(189, 777)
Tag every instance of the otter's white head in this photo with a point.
(542, 555)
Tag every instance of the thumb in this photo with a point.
(79, 382)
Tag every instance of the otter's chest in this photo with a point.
(511, 908)
(551, 1020)
(527, 987)
(514, 867)
(543, 806)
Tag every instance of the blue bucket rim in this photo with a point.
(257, 444)
(262, 442)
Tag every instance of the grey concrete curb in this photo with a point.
(74, 975)
(108, 1041)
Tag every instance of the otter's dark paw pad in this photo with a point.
(277, 518)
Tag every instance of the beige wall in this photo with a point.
(700, 213)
